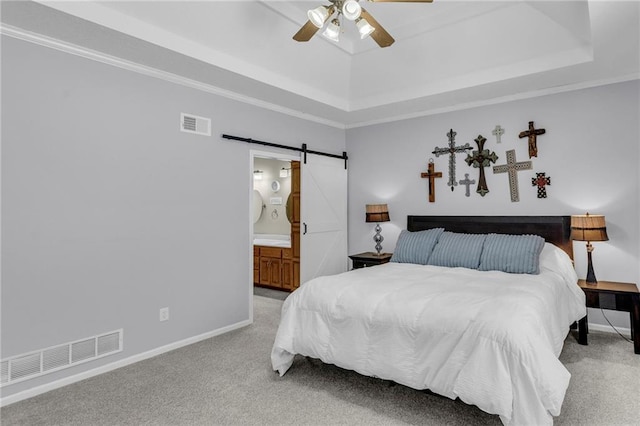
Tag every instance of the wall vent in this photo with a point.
(54, 358)
(193, 124)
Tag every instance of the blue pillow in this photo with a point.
(516, 254)
(454, 250)
(416, 247)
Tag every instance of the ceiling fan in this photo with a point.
(352, 11)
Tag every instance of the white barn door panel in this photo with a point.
(323, 239)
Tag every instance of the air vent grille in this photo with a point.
(190, 123)
(37, 363)
(55, 357)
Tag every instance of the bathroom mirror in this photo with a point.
(289, 209)
(258, 205)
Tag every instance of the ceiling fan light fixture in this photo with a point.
(332, 32)
(351, 10)
(364, 28)
(318, 15)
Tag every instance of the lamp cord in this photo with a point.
(612, 326)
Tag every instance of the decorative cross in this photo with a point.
(498, 132)
(512, 168)
(480, 159)
(452, 150)
(466, 182)
(540, 181)
(532, 134)
(431, 174)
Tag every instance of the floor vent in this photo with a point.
(193, 124)
(37, 363)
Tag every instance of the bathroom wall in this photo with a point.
(274, 215)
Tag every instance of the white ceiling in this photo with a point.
(448, 54)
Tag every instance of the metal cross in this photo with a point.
(431, 174)
(498, 132)
(532, 134)
(512, 168)
(467, 182)
(540, 181)
(480, 159)
(452, 151)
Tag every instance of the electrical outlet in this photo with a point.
(164, 314)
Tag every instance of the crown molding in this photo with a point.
(52, 43)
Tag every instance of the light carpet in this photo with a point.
(227, 380)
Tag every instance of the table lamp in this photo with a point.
(589, 228)
(377, 213)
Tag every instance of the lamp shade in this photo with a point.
(364, 28)
(377, 213)
(318, 15)
(332, 32)
(588, 227)
(351, 10)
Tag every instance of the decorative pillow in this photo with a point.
(454, 249)
(416, 247)
(516, 254)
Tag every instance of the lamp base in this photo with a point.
(378, 239)
(591, 276)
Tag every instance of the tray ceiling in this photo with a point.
(447, 54)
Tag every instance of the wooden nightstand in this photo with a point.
(369, 258)
(612, 295)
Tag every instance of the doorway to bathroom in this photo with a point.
(276, 225)
(317, 216)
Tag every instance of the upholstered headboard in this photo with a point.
(554, 229)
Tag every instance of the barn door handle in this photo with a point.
(305, 228)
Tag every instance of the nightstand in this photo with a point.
(369, 258)
(616, 296)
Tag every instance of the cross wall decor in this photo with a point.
(431, 174)
(512, 168)
(467, 183)
(452, 151)
(541, 180)
(532, 135)
(498, 132)
(480, 159)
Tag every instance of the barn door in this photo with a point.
(323, 239)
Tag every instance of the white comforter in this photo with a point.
(491, 339)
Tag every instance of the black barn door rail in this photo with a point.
(304, 149)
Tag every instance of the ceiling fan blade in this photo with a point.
(308, 30)
(380, 35)
(402, 1)
(305, 33)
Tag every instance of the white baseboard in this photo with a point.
(608, 329)
(37, 390)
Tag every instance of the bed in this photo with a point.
(489, 334)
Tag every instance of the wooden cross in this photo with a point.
(452, 151)
(498, 132)
(512, 168)
(480, 159)
(532, 134)
(431, 174)
(466, 182)
(540, 181)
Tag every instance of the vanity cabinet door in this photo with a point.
(287, 274)
(270, 273)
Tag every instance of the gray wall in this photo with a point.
(590, 151)
(109, 212)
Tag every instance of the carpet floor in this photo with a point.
(227, 380)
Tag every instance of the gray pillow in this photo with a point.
(516, 254)
(415, 247)
(454, 250)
